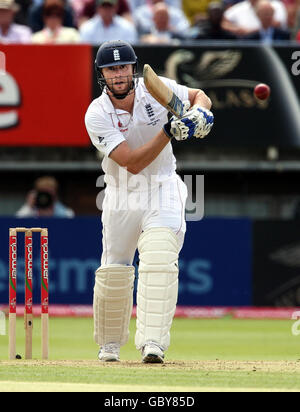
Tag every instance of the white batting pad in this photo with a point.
(113, 299)
(157, 286)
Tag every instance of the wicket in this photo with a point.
(28, 315)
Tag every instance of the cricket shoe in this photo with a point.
(110, 352)
(152, 353)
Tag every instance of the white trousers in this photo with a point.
(127, 214)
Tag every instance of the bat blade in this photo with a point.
(162, 93)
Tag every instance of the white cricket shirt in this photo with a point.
(108, 127)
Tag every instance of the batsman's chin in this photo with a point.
(121, 93)
(121, 90)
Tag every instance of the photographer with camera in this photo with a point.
(43, 201)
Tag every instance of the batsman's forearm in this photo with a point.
(197, 96)
(203, 100)
(144, 155)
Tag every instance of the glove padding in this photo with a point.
(205, 123)
(167, 127)
(196, 122)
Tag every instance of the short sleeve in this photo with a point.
(103, 135)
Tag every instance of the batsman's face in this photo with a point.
(118, 78)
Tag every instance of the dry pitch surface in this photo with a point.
(217, 365)
(209, 376)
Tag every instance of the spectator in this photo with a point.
(11, 32)
(241, 19)
(291, 9)
(86, 9)
(196, 10)
(161, 31)
(143, 18)
(83, 10)
(295, 26)
(210, 28)
(134, 4)
(43, 201)
(36, 20)
(297, 36)
(107, 25)
(21, 17)
(268, 32)
(54, 32)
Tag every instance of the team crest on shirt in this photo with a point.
(151, 115)
(149, 110)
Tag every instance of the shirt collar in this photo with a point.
(107, 103)
(140, 91)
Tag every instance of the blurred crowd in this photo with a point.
(147, 21)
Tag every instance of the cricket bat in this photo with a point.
(162, 93)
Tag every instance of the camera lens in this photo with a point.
(44, 200)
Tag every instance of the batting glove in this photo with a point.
(197, 122)
(172, 130)
(205, 121)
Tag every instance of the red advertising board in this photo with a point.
(44, 94)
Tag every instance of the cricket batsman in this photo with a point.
(144, 202)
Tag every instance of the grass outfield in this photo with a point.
(205, 355)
